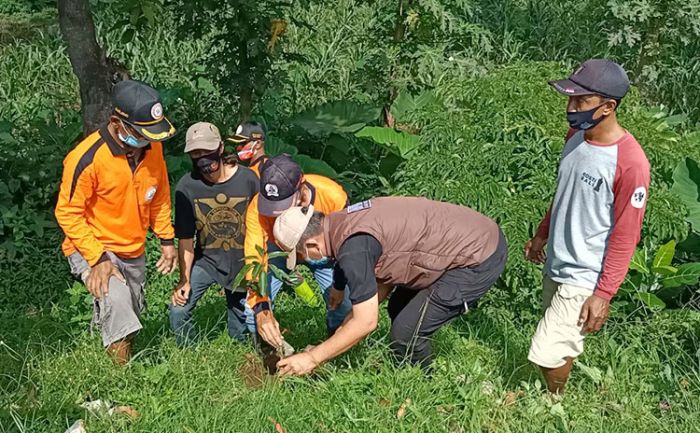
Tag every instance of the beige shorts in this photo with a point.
(558, 335)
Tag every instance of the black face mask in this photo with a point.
(584, 119)
(208, 163)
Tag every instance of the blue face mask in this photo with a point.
(584, 119)
(132, 141)
(318, 262)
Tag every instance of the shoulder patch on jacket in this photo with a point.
(360, 206)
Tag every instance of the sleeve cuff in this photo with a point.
(603, 294)
(261, 306)
(167, 242)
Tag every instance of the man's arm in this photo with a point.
(629, 205)
(161, 207)
(357, 258)
(255, 236)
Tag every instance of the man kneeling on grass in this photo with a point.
(441, 258)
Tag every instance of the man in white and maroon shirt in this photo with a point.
(593, 226)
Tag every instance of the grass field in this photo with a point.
(491, 140)
(636, 376)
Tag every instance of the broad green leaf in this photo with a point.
(406, 104)
(276, 146)
(688, 273)
(639, 261)
(664, 255)
(276, 254)
(336, 117)
(686, 183)
(315, 166)
(400, 143)
(665, 270)
(650, 300)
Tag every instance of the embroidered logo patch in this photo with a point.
(157, 111)
(271, 190)
(150, 193)
(360, 206)
(639, 197)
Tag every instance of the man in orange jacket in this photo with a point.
(114, 187)
(283, 185)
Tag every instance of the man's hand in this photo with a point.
(181, 293)
(168, 259)
(297, 365)
(335, 298)
(268, 328)
(534, 250)
(594, 313)
(98, 280)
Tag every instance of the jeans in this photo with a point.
(181, 316)
(324, 277)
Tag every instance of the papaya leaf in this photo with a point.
(650, 300)
(639, 261)
(664, 255)
(688, 273)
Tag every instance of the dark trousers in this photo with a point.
(181, 315)
(416, 314)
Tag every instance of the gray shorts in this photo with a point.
(117, 314)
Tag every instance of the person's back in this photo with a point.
(420, 238)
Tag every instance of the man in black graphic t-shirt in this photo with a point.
(210, 205)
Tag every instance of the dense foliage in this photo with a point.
(446, 99)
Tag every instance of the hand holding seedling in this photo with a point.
(269, 328)
(297, 365)
(594, 314)
(98, 281)
(534, 250)
(168, 259)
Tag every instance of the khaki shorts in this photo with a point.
(558, 335)
(117, 314)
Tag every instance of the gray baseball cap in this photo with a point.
(202, 136)
(595, 77)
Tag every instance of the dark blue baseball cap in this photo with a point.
(595, 77)
(280, 179)
(139, 105)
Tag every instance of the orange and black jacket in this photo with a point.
(327, 197)
(108, 201)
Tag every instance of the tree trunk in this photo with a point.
(89, 62)
(399, 36)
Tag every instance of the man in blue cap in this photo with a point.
(594, 223)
